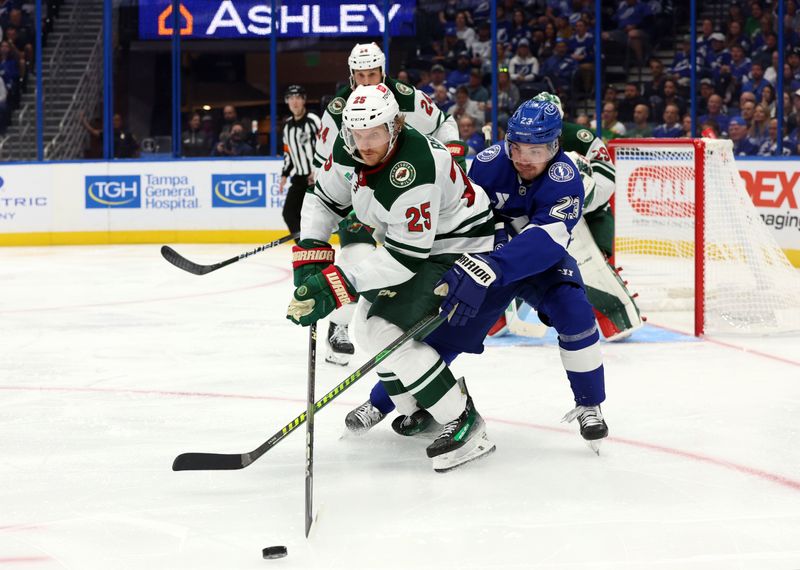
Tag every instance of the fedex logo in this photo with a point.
(238, 190)
(113, 192)
(666, 191)
(772, 189)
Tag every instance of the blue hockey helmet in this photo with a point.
(535, 122)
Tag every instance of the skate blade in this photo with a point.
(338, 360)
(594, 444)
(455, 459)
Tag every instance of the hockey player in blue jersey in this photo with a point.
(537, 195)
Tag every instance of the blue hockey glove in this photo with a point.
(467, 282)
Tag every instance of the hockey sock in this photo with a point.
(567, 308)
(379, 398)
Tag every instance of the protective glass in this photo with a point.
(527, 153)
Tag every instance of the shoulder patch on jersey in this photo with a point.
(489, 153)
(402, 174)
(561, 172)
(584, 135)
(336, 106)
(403, 88)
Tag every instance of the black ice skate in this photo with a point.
(363, 418)
(462, 440)
(419, 422)
(340, 349)
(593, 426)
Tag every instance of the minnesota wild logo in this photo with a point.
(403, 89)
(585, 135)
(335, 107)
(402, 174)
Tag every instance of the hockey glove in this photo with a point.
(319, 295)
(458, 150)
(467, 282)
(309, 257)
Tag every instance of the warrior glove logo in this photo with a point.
(478, 269)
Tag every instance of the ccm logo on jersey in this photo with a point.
(386, 293)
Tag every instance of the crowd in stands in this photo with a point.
(17, 38)
(549, 45)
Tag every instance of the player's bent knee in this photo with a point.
(566, 308)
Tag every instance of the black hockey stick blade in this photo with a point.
(218, 461)
(181, 262)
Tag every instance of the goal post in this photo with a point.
(692, 242)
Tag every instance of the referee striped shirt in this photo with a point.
(299, 136)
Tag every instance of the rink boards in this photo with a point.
(235, 201)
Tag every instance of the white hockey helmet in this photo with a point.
(366, 56)
(369, 106)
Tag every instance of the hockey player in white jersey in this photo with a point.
(367, 67)
(425, 212)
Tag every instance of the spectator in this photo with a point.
(655, 87)
(508, 97)
(715, 113)
(737, 132)
(710, 129)
(759, 129)
(629, 17)
(753, 22)
(481, 48)
(630, 99)
(794, 113)
(670, 128)
(581, 48)
(460, 75)
(234, 144)
(503, 59)
(229, 118)
(671, 97)
(583, 120)
(468, 133)
(125, 144)
(523, 66)
(681, 67)
(463, 31)
(441, 96)
(736, 36)
(740, 64)
(704, 39)
(768, 99)
(763, 54)
(748, 109)
(3, 108)
(640, 128)
(464, 106)
(612, 128)
(770, 146)
(519, 28)
(717, 55)
(477, 92)
(9, 65)
(706, 91)
(771, 73)
(437, 78)
(686, 126)
(560, 67)
(755, 82)
(195, 141)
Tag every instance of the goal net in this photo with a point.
(691, 241)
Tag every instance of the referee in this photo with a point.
(299, 136)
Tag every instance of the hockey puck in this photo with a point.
(271, 552)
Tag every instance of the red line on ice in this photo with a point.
(766, 475)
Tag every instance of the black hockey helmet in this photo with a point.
(295, 90)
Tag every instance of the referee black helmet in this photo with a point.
(295, 90)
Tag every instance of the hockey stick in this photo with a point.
(181, 262)
(312, 364)
(216, 461)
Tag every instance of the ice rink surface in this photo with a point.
(113, 362)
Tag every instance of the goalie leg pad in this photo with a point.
(614, 307)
